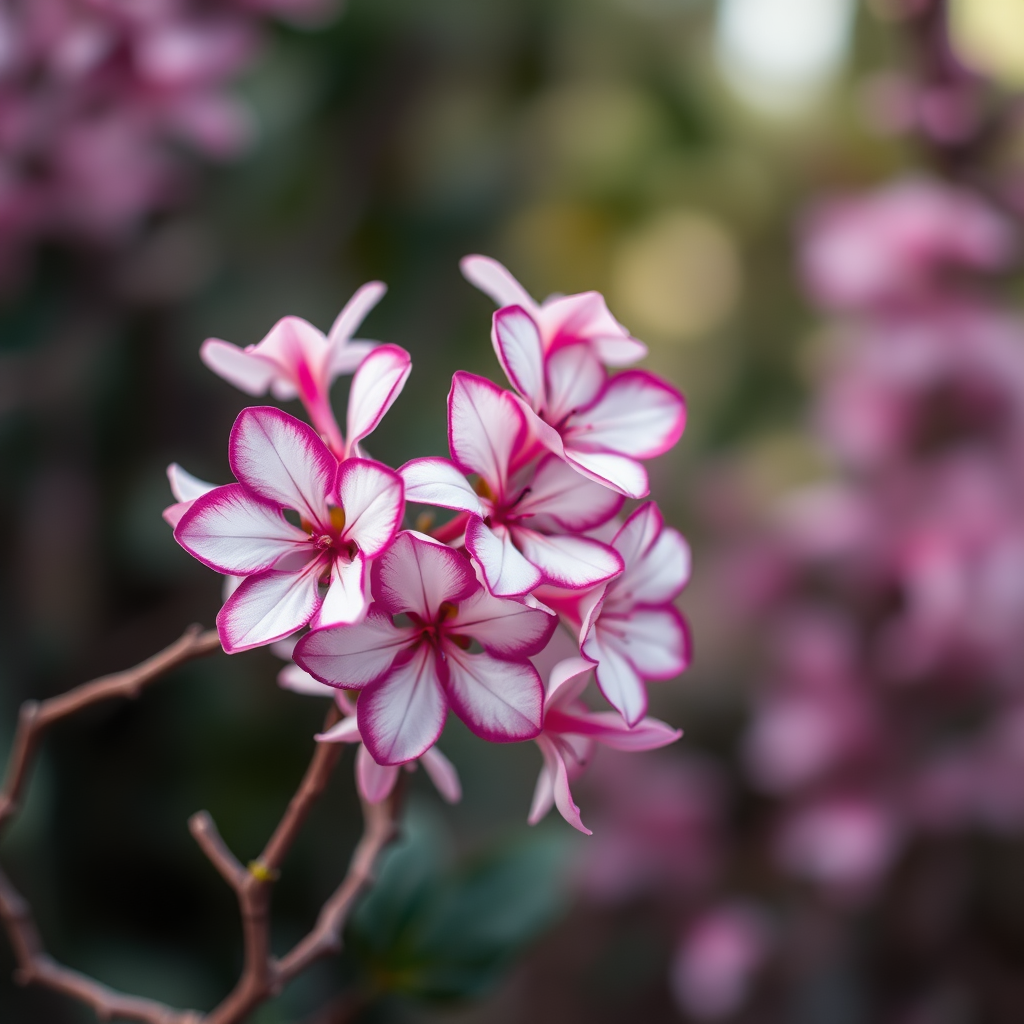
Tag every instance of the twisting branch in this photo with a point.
(35, 966)
(325, 938)
(263, 976)
(35, 717)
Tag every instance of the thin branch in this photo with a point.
(325, 938)
(35, 966)
(35, 717)
(203, 829)
(263, 976)
(259, 980)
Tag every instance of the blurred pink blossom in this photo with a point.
(95, 95)
(893, 246)
(717, 958)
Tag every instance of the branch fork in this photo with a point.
(263, 975)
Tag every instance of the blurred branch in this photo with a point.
(35, 717)
(35, 966)
(263, 975)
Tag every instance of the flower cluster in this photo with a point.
(893, 709)
(406, 625)
(94, 96)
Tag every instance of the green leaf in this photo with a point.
(435, 931)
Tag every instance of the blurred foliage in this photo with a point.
(438, 931)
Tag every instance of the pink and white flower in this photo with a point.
(561, 319)
(525, 513)
(186, 488)
(410, 671)
(600, 425)
(631, 630)
(348, 515)
(375, 781)
(571, 731)
(296, 360)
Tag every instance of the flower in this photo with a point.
(569, 734)
(186, 488)
(599, 425)
(630, 629)
(349, 514)
(894, 245)
(295, 360)
(525, 513)
(410, 671)
(561, 319)
(716, 961)
(375, 781)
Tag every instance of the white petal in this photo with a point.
(300, 351)
(375, 781)
(559, 491)
(345, 731)
(293, 678)
(353, 656)
(443, 775)
(418, 575)
(494, 280)
(619, 351)
(282, 459)
(375, 386)
(372, 498)
(348, 358)
(575, 563)
(185, 486)
(485, 427)
(543, 795)
(555, 763)
(657, 559)
(608, 728)
(638, 415)
(402, 715)
(435, 481)
(518, 345)
(505, 628)
(574, 380)
(232, 531)
(345, 602)
(566, 681)
(500, 701)
(355, 311)
(506, 571)
(654, 640)
(617, 679)
(268, 607)
(620, 472)
(249, 373)
(581, 317)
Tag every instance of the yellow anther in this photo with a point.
(483, 489)
(448, 610)
(262, 873)
(337, 517)
(424, 521)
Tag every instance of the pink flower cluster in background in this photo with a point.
(892, 707)
(96, 94)
(406, 625)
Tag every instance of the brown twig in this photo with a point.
(35, 717)
(263, 976)
(35, 966)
